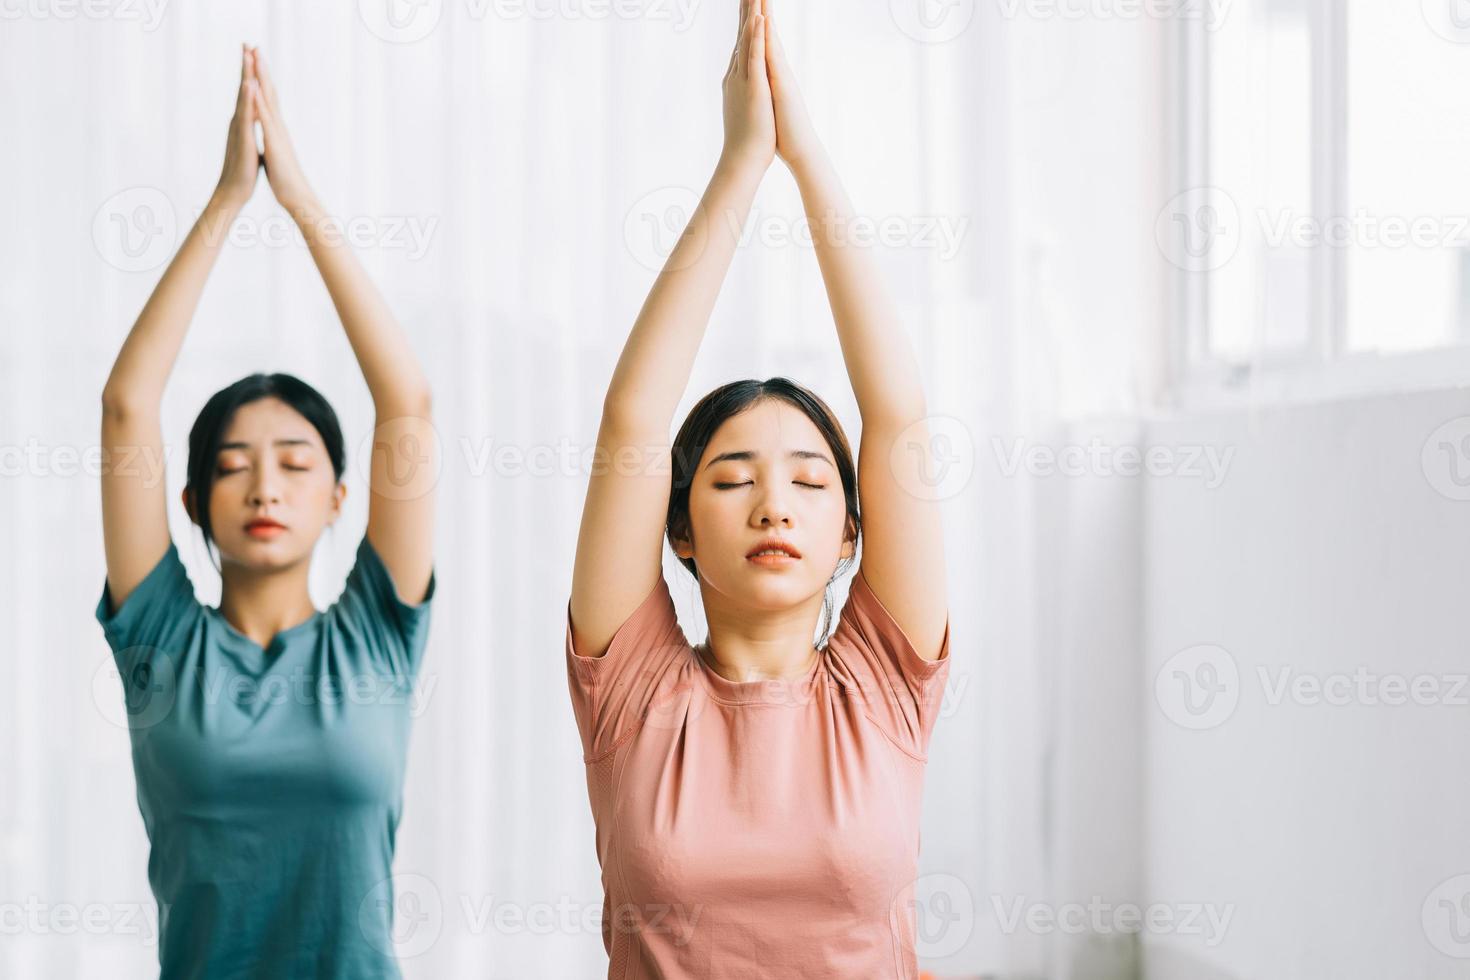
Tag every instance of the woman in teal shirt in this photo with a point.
(269, 738)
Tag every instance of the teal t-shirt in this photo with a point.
(270, 780)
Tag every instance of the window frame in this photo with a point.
(1324, 367)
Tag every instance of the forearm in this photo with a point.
(389, 366)
(148, 354)
(657, 359)
(879, 357)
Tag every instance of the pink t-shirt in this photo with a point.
(767, 828)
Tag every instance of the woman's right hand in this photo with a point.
(242, 157)
(750, 115)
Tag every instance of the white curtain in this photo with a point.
(512, 175)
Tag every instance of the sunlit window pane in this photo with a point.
(1260, 167)
(1408, 174)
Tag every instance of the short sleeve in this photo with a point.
(646, 660)
(158, 615)
(877, 664)
(389, 627)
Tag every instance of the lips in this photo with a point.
(773, 548)
(264, 527)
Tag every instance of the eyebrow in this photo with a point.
(749, 454)
(279, 442)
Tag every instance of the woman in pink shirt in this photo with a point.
(757, 797)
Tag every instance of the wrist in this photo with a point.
(304, 208)
(810, 166)
(226, 199)
(744, 161)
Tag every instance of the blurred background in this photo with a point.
(1190, 284)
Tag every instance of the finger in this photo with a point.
(757, 58)
(748, 42)
(742, 37)
(241, 97)
(263, 111)
(735, 48)
(243, 124)
(266, 81)
(248, 116)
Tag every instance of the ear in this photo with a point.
(339, 493)
(188, 498)
(849, 540)
(683, 546)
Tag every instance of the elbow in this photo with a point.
(116, 405)
(622, 412)
(895, 413)
(415, 402)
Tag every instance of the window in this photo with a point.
(1323, 169)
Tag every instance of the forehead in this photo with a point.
(772, 428)
(266, 420)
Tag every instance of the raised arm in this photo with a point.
(401, 505)
(134, 516)
(903, 541)
(620, 543)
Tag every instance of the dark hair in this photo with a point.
(209, 431)
(729, 400)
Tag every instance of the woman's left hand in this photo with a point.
(796, 139)
(286, 178)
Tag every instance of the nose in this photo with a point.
(264, 488)
(772, 508)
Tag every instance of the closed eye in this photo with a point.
(814, 486)
(727, 486)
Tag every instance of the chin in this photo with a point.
(763, 590)
(264, 556)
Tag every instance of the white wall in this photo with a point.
(1324, 828)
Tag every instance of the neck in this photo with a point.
(262, 604)
(748, 645)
